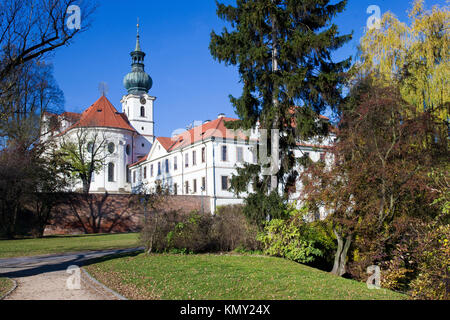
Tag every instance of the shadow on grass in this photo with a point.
(31, 266)
(69, 236)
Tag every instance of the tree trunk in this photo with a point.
(340, 258)
(275, 139)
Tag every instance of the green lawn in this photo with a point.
(226, 277)
(59, 244)
(5, 285)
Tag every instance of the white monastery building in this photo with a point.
(197, 162)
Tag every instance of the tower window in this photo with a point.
(110, 172)
(143, 112)
(127, 149)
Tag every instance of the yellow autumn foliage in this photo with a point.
(415, 56)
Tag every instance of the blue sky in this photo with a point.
(188, 83)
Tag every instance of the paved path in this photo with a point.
(45, 277)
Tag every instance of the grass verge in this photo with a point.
(61, 244)
(226, 277)
(5, 286)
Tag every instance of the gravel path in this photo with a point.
(46, 277)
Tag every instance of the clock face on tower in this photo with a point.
(143, 100)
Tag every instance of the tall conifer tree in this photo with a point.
(283, 52)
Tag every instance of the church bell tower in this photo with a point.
(138, 104)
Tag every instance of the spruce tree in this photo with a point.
(282, 49)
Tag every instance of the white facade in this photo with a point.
(202, 168)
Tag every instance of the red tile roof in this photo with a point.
(139, 161)
(215, 128)
(165, 142)
(103, 114)
(71, 116)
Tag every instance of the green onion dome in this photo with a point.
(137, 81)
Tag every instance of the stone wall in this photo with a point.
(119, 212)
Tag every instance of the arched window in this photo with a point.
(111, 172)
(127, 149)
(111, 147)
(143, 112)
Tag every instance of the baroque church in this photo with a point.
(127, 135)
(197, 162)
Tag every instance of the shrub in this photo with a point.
(433, 280)
(192, 233)
(156, 229)
(232, 230)
(177, 232)
(298, 240)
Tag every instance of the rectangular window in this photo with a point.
(239, 154)
(186, 160)
(145, 172)
(195, 185)
(224, 153)
(134, 176)
(224, 183)
(159, 168)
(186, 186)
(203, 155)
(194, 158)
(167, 165)
(175, 164)
(151, 171)
(175, 189)
(203, 183)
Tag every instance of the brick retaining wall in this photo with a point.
(119, 212)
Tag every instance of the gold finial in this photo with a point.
(138, 45)
(137, 25)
